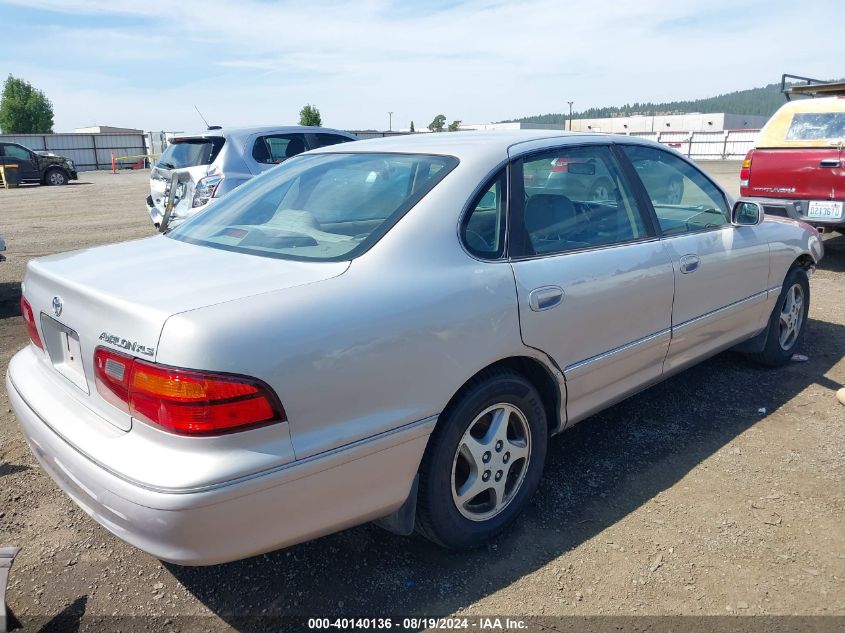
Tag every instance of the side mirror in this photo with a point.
(747, 213)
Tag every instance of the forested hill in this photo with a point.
(764, 101)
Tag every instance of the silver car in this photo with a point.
(210, 164)
(387, 330)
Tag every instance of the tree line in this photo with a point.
(763, 101)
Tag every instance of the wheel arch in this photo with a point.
(52, 168)
(538, 374)
(804, 261)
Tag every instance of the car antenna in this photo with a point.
(207, 126)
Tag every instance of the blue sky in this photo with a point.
(143, 63)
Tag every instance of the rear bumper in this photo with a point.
(796, 210)
(237, 519)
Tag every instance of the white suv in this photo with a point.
(210, 164)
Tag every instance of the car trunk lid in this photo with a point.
(120, 297)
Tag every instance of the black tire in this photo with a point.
(55, 177)
(438, 516)
(777, 351)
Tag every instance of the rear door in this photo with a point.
(594, 283)
(721, 271)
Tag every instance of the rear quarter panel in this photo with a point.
(789, 240)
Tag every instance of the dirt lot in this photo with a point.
(717, 492)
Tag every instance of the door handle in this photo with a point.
(690, 263)
(545, 298)
(830, 162)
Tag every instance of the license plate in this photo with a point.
(825, 210)
(64, 350)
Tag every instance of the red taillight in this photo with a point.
(29, 323)
(184, 401)
(560, 164)
(745, 172)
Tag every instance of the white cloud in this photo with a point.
(259, 62)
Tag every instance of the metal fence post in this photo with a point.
(96, 157)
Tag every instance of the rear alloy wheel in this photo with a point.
(483, 461)
(55, 177)
(490, 462)
(788, 320)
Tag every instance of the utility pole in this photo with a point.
(390, 122)
(570, 114)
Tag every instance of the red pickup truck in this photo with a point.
(797, 167)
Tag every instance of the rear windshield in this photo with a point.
(812, 126)
(324, 207)
(190, 152)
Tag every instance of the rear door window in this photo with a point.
(576, 198)
(273, 149)
(324, 139)
(190, 152)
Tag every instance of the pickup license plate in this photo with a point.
(825, 210)
(64, 350)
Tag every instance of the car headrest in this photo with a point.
(547, 209)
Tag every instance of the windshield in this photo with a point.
(321, 207)
(190, 152)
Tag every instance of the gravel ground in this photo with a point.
(717, 492)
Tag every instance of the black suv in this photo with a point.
(33, 167)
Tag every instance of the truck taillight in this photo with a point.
(745, 172)
(29, 323)
(184, 401)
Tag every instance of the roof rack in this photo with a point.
(810, 87)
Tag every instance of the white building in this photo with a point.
(695, 122)
(512, 125)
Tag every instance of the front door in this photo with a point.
(23, 158)
(593, 281)
(722, 271)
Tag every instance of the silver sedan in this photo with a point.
(386, 330)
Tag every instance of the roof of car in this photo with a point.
(470, 144)
(242, 131)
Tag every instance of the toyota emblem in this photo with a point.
(57, 306)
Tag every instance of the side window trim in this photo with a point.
(519, 246)
(641, 190)
(472, 203)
